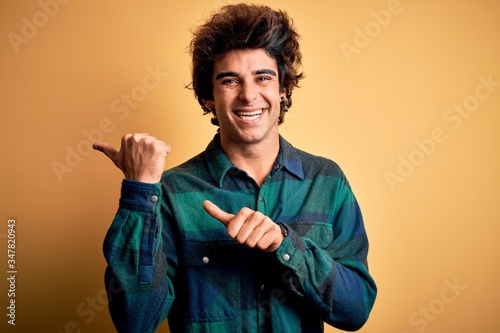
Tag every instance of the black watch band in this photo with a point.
(283, 230)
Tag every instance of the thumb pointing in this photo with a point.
(106, 149)
(217, 213)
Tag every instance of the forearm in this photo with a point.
(342, 291)
(328, 265)
(139, 288)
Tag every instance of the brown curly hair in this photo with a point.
(243, 26)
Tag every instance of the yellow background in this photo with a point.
(376, 89)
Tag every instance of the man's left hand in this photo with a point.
(248, 227)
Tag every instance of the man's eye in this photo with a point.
(264, 78)
(229, 81)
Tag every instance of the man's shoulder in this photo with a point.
(192, 166)
(314, 164)
(191, 176)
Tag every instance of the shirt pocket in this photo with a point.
(211, 280)
(319, 233)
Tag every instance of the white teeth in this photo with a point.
(249, 115)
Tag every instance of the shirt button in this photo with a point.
(276, 167)
(286, 257)
(262, 287)
(206, 260)
(153, 198)
(261, 198)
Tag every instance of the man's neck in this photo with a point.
(257, 159)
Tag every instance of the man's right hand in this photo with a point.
(141, 156)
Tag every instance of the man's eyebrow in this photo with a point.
(234, 74)
(266, 71)
(225, 74)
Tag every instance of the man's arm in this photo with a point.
(141, 263)
(335, 280)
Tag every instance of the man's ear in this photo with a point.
(283, 93)
(208, 104)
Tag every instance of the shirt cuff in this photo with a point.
(291, 250)
(140, 197)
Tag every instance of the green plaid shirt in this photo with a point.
(167, 257)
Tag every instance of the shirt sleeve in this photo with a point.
(140, 272)
(333, 279)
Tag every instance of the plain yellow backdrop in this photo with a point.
(404, 95)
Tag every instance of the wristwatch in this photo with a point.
(283, 230)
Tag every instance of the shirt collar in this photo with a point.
(217, 161)
(289, 158)
(219, 165)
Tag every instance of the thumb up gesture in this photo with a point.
(141, 156)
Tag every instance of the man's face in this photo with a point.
(246, 96)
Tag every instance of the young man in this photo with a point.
(251, 235)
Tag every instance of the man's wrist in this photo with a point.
(139, 196)
(284, 231)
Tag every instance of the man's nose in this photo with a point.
(248, 92)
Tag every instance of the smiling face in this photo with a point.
(246, 97)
